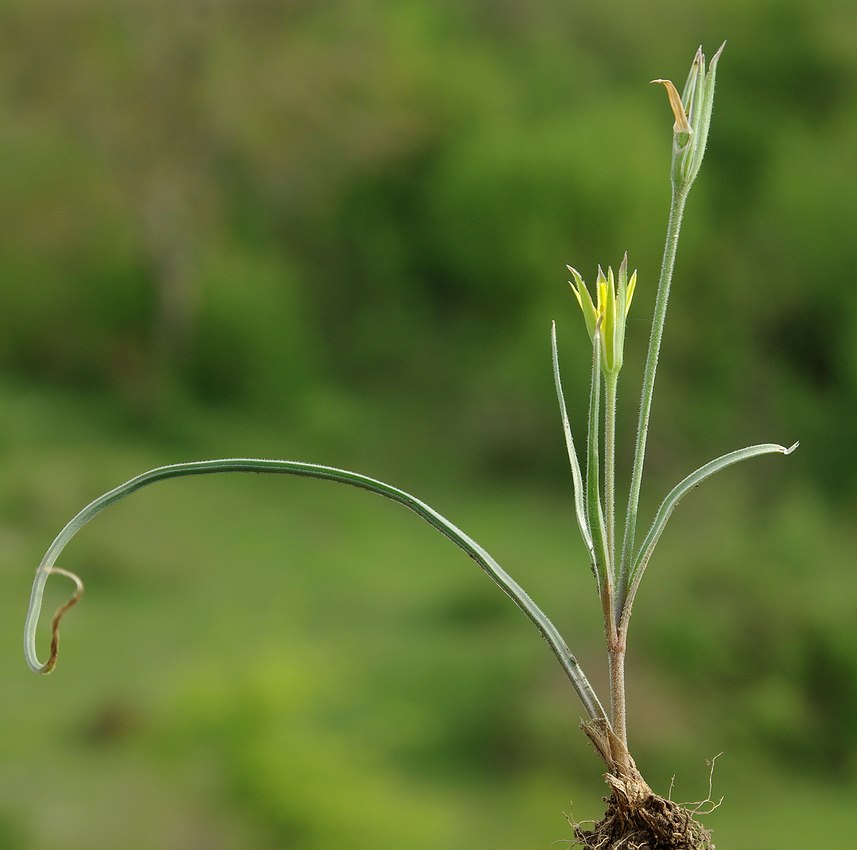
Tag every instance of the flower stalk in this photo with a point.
(658, 320)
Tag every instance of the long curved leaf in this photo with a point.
(284, 467)
(678, 492)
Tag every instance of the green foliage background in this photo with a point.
(338, 232)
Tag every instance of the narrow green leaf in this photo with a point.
(576, 476)
(678, 493)
(506, 583)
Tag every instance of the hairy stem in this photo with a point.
(679, 197)
(615, 645)
(610, 386)
(594, 508)
(618, 712)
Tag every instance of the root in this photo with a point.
(653, 824)
(636, 817)
(709, 804)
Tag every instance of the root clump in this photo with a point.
(645, 823)
(636, 817)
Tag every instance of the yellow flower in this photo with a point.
(608, 312)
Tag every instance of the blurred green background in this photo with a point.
(337, 232)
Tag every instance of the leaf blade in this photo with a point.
(675, 496)
(500, 577)
(574, 462)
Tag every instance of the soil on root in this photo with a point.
(652, 823)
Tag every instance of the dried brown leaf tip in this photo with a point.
(59, 614)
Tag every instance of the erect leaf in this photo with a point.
(678, 493)
(285, 467)
(576, 476)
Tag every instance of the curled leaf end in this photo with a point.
(58, 615)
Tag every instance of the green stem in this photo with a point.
(610, 386)
(679, 197)
(615, 645)
(594, 508)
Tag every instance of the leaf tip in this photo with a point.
(51, 663)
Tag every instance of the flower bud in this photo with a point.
(608, 312)
(692, 112)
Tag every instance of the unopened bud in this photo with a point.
(692, 113)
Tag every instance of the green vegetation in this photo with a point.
(342, 218)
